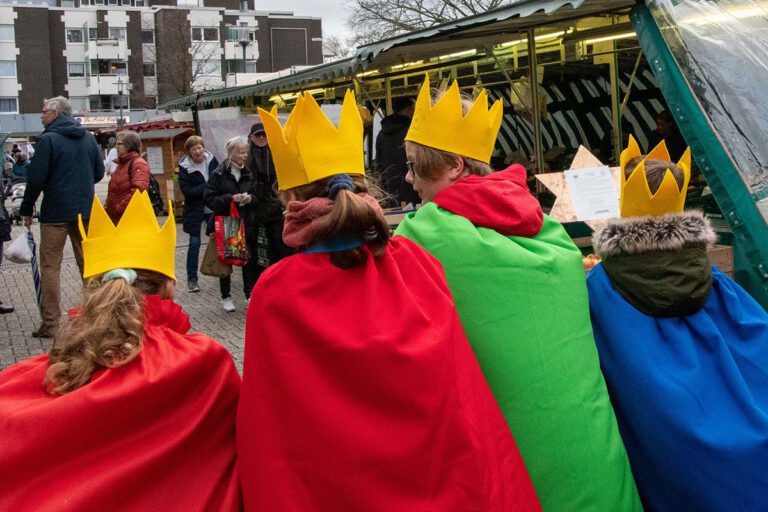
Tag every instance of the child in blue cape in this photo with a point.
(684, 349)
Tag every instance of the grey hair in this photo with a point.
(58, 104)
(234, 144)
(131, 141)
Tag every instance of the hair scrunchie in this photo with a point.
(129, 275)
(338, 182)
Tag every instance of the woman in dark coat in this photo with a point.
(195, 167)
(230, 182)
(268, 210)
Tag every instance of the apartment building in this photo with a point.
(136, 54)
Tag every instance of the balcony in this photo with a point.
(233, 51)
(106, 49)
(104, 85)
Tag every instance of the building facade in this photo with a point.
(137, 54)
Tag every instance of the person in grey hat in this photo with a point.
(268, 211)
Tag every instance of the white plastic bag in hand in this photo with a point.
(19, 251)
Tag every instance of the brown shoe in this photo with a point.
(44, 332)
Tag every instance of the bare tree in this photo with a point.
(372, 20)
(335, 48)
(187, 65)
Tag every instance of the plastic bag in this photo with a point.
(19, 250)
(211, 266)
(230, 238)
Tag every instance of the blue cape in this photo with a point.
(690, 395)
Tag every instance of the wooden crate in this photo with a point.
(722, 257)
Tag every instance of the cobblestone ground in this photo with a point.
(204, 308)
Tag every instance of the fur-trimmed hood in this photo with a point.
(670, 232)
(659, 264)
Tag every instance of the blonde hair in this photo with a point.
(351, 215)
(234, 144)
(430, 162)
(107, 331)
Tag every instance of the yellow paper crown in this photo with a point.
(636, 197)
(444, 126)
(309, 148)
(136, 242)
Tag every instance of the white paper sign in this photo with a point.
(593, 192)
(155, 159)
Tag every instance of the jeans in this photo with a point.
(193, 257)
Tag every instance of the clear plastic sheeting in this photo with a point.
(722, 50)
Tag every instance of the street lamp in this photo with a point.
(120, 95)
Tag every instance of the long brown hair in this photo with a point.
(106, 332)
(351, 215)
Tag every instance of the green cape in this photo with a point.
(523, 304)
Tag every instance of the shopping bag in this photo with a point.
(19, 251)
(231, 246)
(211, 266)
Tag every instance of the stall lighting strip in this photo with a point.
(625, 35)
(407, 65)
(457, 54)
(542, 37)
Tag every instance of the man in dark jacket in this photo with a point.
(268, 247)
(390, 153)
(66, 166)
(195, 167)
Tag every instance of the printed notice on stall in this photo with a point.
(594, 194)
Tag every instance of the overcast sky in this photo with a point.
(332, 12)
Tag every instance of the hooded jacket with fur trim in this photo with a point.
(659, 264)
(518, 283)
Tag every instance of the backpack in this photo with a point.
(155, 197)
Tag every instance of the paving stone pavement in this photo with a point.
(204, 308)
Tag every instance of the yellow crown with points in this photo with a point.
(309, 148)
(137, 242)
(636, 197)
(444, 126)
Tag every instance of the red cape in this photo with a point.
(155, 434)
(361, 392)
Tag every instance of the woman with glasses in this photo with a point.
(132, 174)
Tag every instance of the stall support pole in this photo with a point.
(507, 77)
(616, 107)
(538, 150)
(388, 95)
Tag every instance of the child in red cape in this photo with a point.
(128, 412)
(360, 389)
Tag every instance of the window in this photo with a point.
(236, 66)
(187, 2)
(112, 2)
(149, 69)
(75, 35)
(206, 68)
(79, 104)
(205, 34)
(9, 105)
(6, 33)
(117, 34)
(67, 3)
(76, 69)
(8, 68)
(93, 34)
(139, 3)
(241, 34)
(148, 37)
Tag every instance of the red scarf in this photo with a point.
(303, 218)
